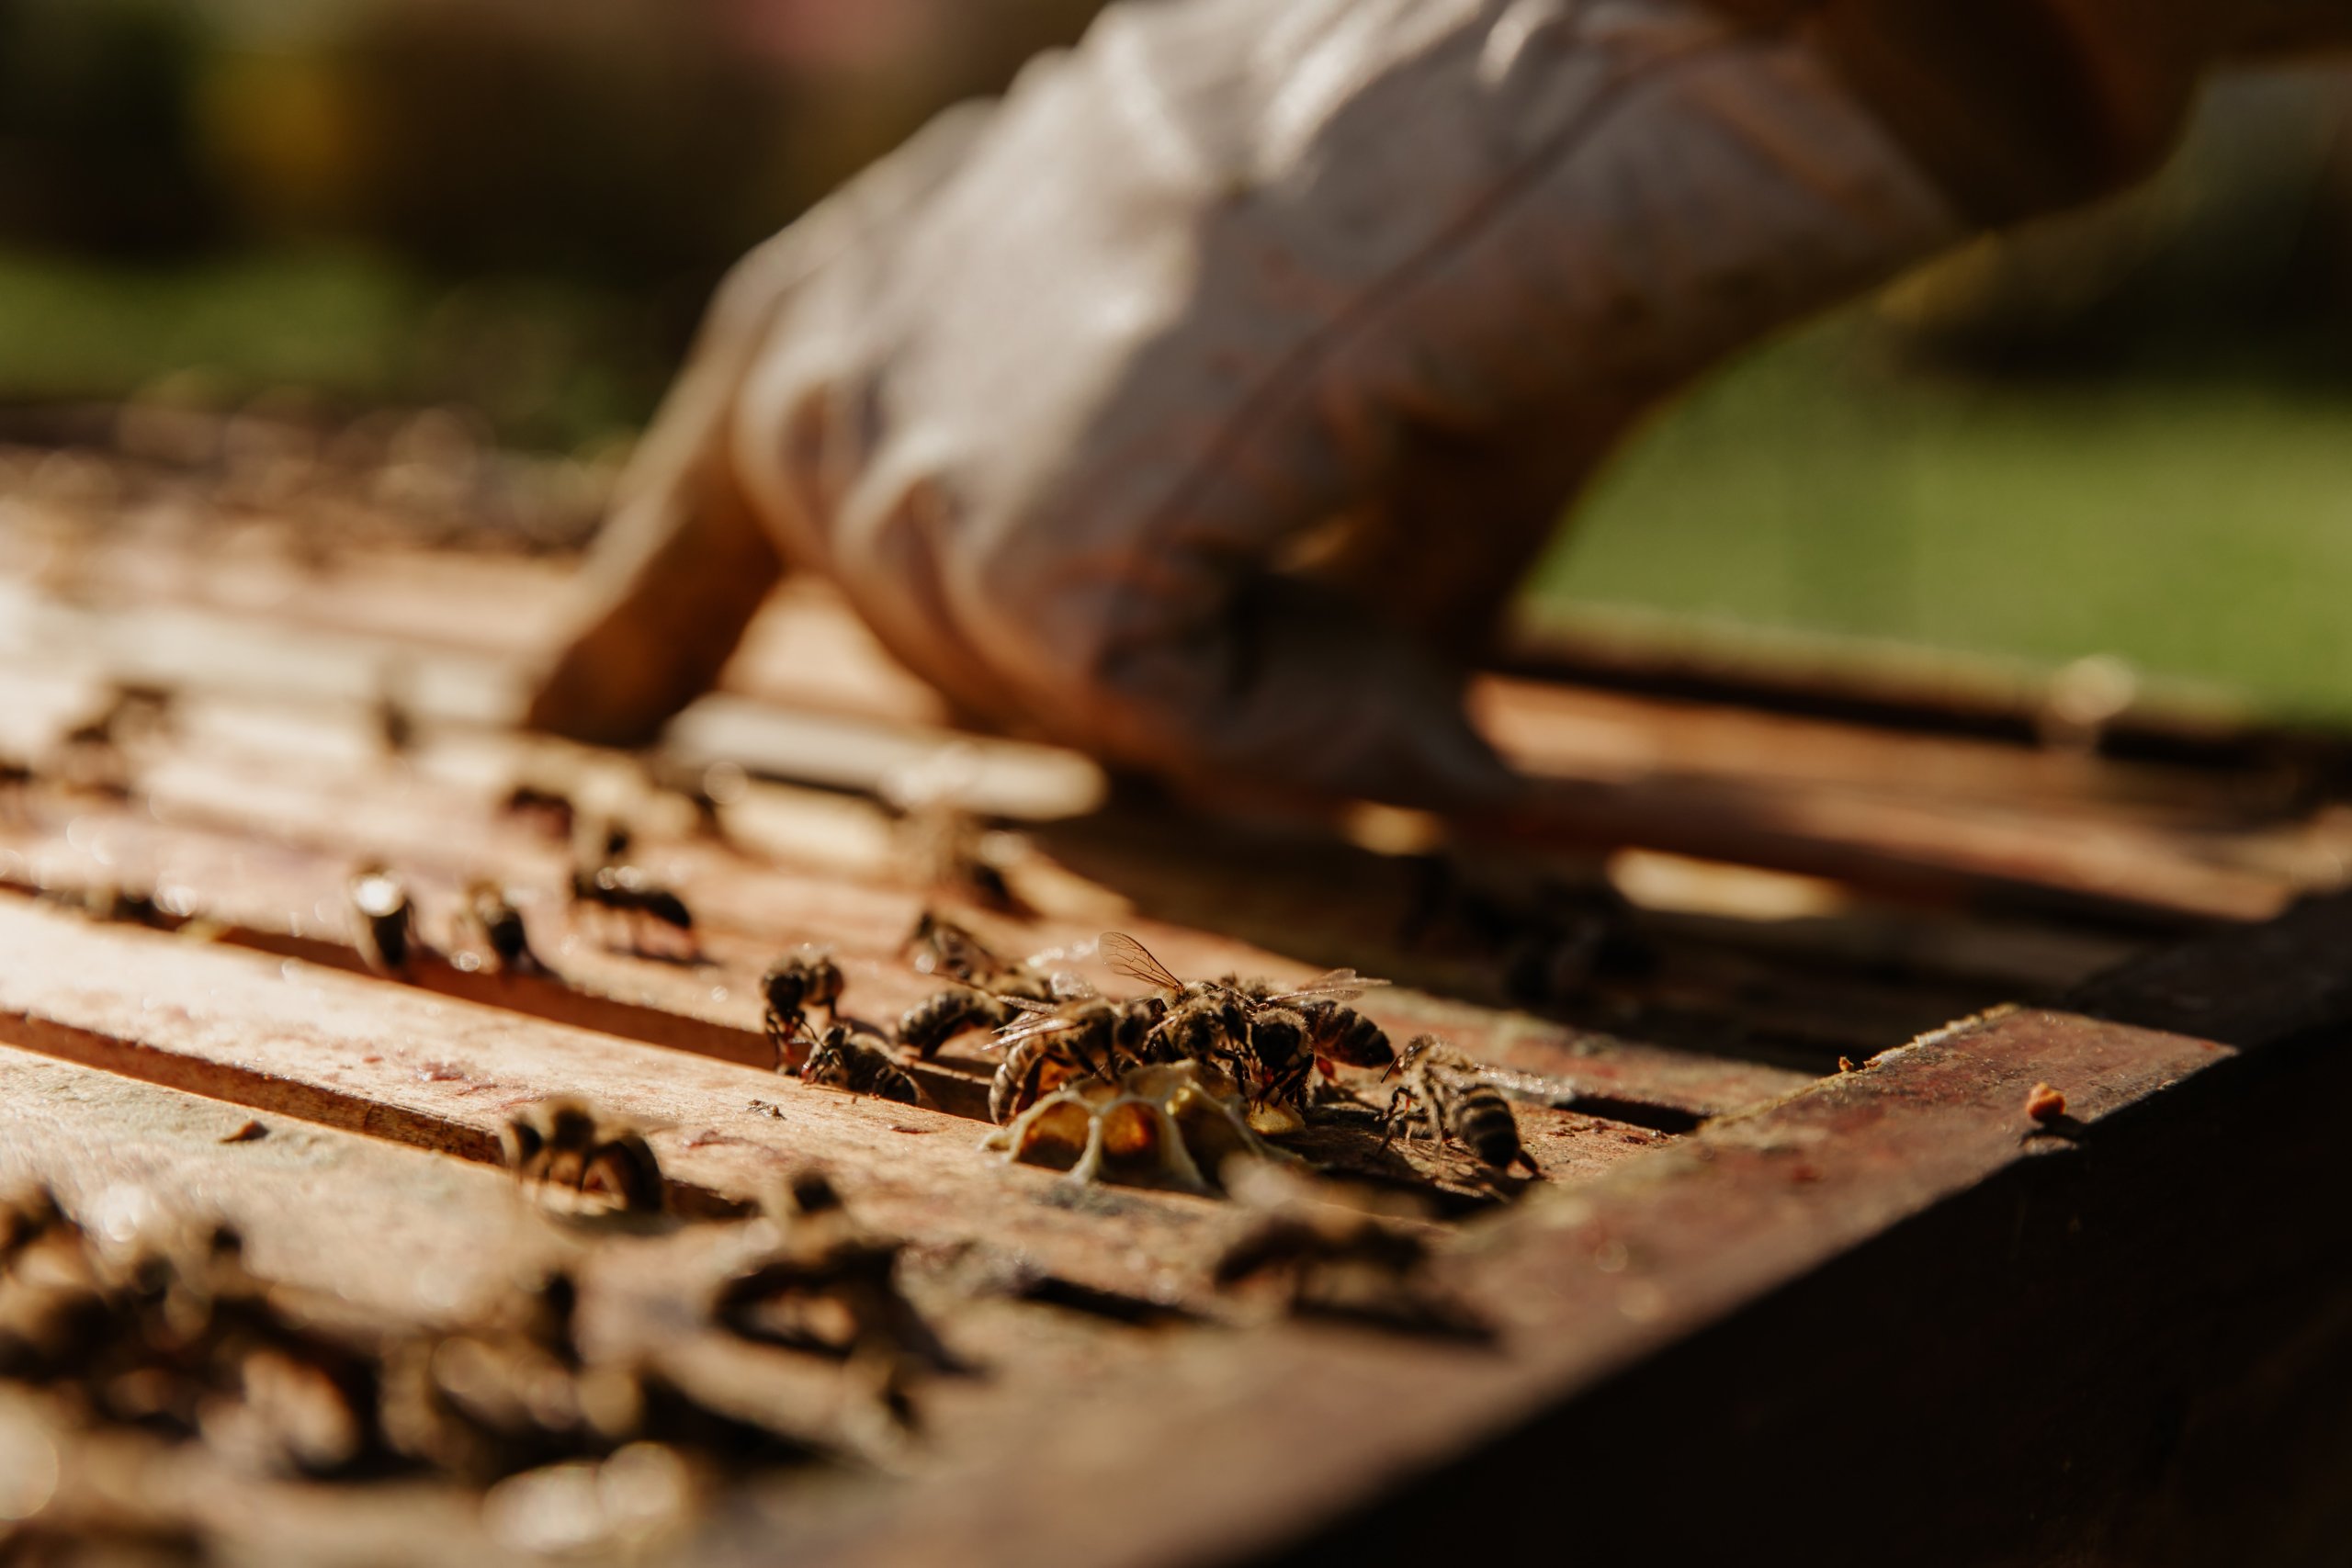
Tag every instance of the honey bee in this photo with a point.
(792, 984)
(1215, 1022)
(628, 891)
(500, 924)
(861, 1064)
(940, 946)
(387, 931)
(1337, 1033)
(928, 1025)
(1053, 1042)
(987, 991)
(1276, 1062)
(1446, 1091)
(563, 1148)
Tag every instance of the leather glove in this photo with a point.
(1199, 405)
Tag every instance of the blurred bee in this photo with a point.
(563, 1148)
(130, 710)
(1055, 1043)
(551, 808)
(386, 930)
(792, 984)
(500, 924)
(113, 902)
(829, 1286)
(1447, 1092)
(1337, 1262)
(940, 946)
(395, 725)
(628, 891)
(861, 1064)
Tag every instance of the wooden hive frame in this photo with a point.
(1758, 1305)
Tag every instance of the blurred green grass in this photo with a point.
(2197, 526)
(549, 363)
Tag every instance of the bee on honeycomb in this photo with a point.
(1171, 1124)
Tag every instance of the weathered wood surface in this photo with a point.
(1584, 1283)
(1920, 816)
(1746, 1268)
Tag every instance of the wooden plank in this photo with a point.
(288, 900)
(2223, 864)
(262, 836)
(2265, 983)
(1597, 1279)
(346, 1051)
(1584, 1284)
(1903, 847)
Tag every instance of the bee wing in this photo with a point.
(1069, 987)
(953, 951)
(1134, 960)
(1338, 985)
(1531, 1088)
(1031, 1006)
(1044, 1020)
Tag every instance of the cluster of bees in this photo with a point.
(1180, 1074)
(174, 1335)
(1157, 1089)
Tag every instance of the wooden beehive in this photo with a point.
(1801, 1274)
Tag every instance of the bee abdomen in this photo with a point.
(1340, 1033)
(875, 1074)
(1484, 1123)
(1030, 1070)
(929, 1025)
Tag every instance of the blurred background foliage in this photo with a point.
(2124, 432)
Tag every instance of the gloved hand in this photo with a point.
(1200, 404)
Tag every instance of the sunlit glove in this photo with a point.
(1200, 405)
